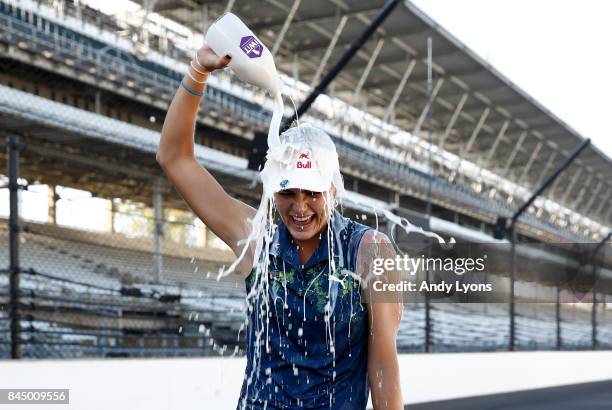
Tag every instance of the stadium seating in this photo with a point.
(156, 79)
(61, 265)
(90, 294)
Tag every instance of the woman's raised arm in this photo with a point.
(221, 213)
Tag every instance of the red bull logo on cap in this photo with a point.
(304, 161)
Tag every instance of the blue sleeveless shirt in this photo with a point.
(312, 347)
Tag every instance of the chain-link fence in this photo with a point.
(105, 277)
(5, 323)
(104, 271)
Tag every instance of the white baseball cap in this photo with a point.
(306, 159)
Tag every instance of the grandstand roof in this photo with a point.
(464, 85)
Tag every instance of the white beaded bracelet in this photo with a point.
(193, 78)
(195, 68)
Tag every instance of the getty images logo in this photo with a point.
(251, 46)
(304, 161)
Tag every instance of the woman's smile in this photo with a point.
(303, 212)
(302, 221)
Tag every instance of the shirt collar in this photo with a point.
(283, 246)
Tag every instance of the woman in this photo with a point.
(311, 341)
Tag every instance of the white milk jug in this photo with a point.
(251, 60)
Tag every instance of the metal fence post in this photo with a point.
(13, 174)
(511, 344)
(559, 343)
(158, 231)
(428, 330)
(594, 315)
(594, 291)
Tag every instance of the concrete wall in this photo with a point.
(210, 383)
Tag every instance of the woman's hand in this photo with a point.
(207, 60)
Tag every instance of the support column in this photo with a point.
(500, 135)
(553, 189)
(79, 15)
(428, 321)
(98, 100)
(330, 48)
(594, 342)
(149, 5)
(512, 341)
(603, 203)
(204, 15)
(570, 187)
(475, 132)
(558, 318)
(230, 5)
(204, 236)
(111, 217)
(53, 197)
(295, 69)
(159, 229)
(515, 151)
(551, 159)
(532, 159)
(451, 123)
(419, 123)
(390, 111)
(608, 214)
(396, 199)
(466, 148)
(589, 204)
(582, 192)
(14, 270)
(281, 35)
(368, 68)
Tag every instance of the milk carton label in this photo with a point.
(251, 46)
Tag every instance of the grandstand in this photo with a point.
(86, 93)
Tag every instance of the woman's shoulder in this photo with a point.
(352, 235)
(358, 232)
(348, 226)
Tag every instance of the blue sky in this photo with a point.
(558, 51)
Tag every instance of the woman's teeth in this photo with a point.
(301, 219)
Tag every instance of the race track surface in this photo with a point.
(586, 396)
